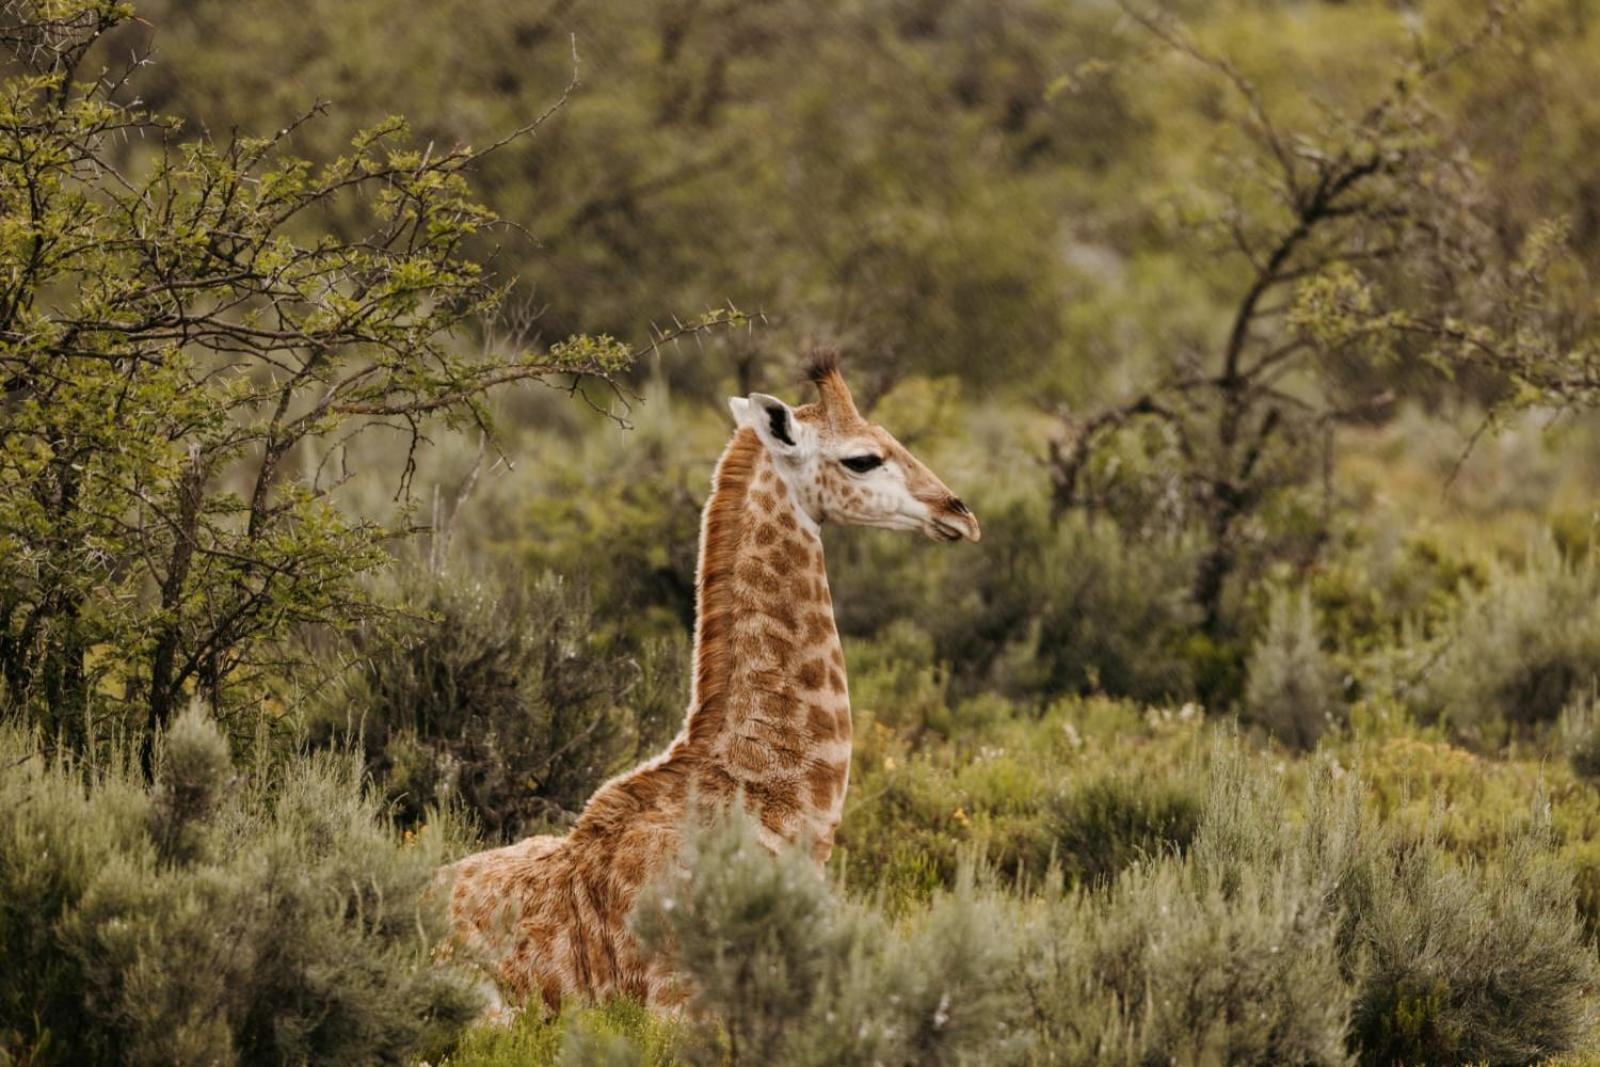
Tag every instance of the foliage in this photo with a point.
(1274, 943)
(620, 1032)
(1218, 955)
(497, 698)
(896, 678)
(1114, 615)
(632, 500)
(1160, 972)
(1292, 691)
(1580, 735)
(1277, 280)
(657, 188)
(797, 976)
(188, 351)
(1468, 967)
(1039, 609)
(1024, 794)
(1104, 825)
(1520, 649)
(1331, 225)
(264, 914)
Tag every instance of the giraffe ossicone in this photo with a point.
(769, 705)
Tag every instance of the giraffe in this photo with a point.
(769, 706)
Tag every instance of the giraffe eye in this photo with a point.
(862, 464)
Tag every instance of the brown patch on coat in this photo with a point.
(824, 781)
(812, 674)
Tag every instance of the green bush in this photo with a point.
(1101, 826)
(1525, 645)
(1035, 610)
(498, 697)
(895, 678)
(1580, 735)
(1115, 613)
(269, 915)
(1465, 965)
(621, 1032)
(1449, 961)
(1166, 969)
(1022, 791)
(1227, 954)
(1272, 941)
(797, 975)
(1292, 691)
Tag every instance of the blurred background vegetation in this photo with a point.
(1259, 334)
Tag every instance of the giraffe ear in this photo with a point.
(741, 410)
(779, 430)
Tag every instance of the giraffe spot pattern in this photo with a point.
(773, 700)
(812, 674)
(821, 722)
(823, 782)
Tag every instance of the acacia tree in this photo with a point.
(1352, 239)
(188, 350)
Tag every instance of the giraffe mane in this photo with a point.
(714, 607)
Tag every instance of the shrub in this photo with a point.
(1167, 969)
(1101, 826)
(895, 678)
(1466, 965)
(1524, 646)
(499, 697)
(1035, 609)
(1292, 691)
(1226, 954)
(1115, 613)
(798, 976)
(266, 916)
(1449, 961)
(1580, 735)
(1022, 792)
(1284, 943)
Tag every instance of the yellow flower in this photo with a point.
(888, 763)
(960, 816)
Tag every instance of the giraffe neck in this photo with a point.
(770, 708)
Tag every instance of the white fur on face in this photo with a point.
(815, 463)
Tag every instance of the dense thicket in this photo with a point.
(266, 913)
(499, 700)
(1326, 942)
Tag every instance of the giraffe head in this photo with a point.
(842, 468)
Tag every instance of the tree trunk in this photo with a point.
(163, 693)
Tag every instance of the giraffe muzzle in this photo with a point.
(951, 520)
